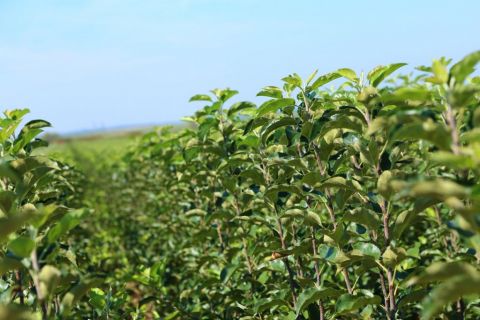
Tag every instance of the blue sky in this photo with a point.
(93, 64)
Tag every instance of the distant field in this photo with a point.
(97, 144)
(81, 150)
(109, 143)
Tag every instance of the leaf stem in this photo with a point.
(317, 272)
(450, 117)
(286, 262)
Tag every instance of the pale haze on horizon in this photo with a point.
(94, 64)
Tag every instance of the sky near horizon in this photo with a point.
(97, 64)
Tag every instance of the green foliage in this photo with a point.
(35, 194)
(319, 205)
(360, 202)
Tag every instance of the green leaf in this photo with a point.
(465, 67)
(383, 184)
(324, 79)
(454, 161)
(77, 292)
(439, 189)
(367, 94)
(362, 216)
(349, 74)
(287, 121)
(348, 303)
(254, 174)
(393, 256)
(49, 278)
(439, 69)
(412, 297)
(341, 122)
(427, 130)
(312, 218)
(272, 92)
(228, 272)
(239, 107)
(97, 298)
(268, 303)
(8, 264)
(11, 224)
(340, 182)
(224, 94)
(332, 254)
(311, 295)
(457, 280)
(272, 193)
(366, 249)
(378, 74)
(274, 105)
(36, 124)
(7, 200)
(409, 96)
(14, 312)
(294, 80)
(315, 179)
(448, 292)
(195, 213)
(311, 76)
(441, 271)
(200, 97)
(22, 246)
(407, 217)
(68, 222)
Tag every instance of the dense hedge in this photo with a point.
(40, 277)
(359, 202)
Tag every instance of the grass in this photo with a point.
(109, 144)
(81, 150)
